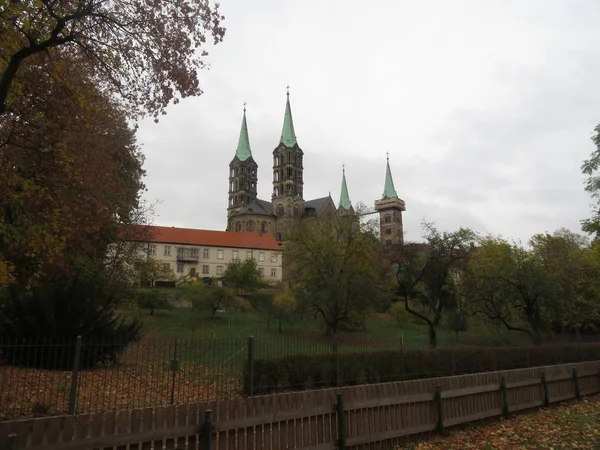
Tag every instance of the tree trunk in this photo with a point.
(151, 311)
(280, 325)
(432, 337)
(456, 335)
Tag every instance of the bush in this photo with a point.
(299, 372)
(152, 299)
(38, 326)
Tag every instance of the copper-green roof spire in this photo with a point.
(344, 197)
(243, 151)
(389, 191)
(288, 136)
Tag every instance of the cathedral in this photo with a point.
(246, 212)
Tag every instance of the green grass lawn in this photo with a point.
(302, 335)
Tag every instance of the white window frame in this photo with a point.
(152, 250)
(167, 250)
(220, 254)
(207, 267)
(206, 253)
(179, 267)
(273, 272)
(235, 254)
(273, 257)
(261, 256)
(219, 270)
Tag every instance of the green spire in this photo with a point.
(389, 191)
(288, 137)
(344, 197)
(243, 151)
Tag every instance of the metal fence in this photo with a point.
(42, 377)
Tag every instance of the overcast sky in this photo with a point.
(485, 107)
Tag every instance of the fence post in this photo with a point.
(336, 351)
(545, 388)
(206, 430)
(576, 384)
(505, 410)
(75, 377)
(174, 369)
(11, 442)
(341, 423)
(439, 426)
(402, 355)
(250, 380)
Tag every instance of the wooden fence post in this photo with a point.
(341, 423)
(11, 442)
(505, 410)
(576, 384)
(545, 389)
(439, 426)
(174, 369)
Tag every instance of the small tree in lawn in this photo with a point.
(457, 321)
(284, 306)
(152, 299)
(243, 275)
(426, 275)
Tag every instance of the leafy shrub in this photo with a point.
(152, 299)
(39, 326)
(299, 372)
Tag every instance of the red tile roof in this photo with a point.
(190, 236)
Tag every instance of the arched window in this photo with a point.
(238, 226)
(263, 227)
(296, 210)
(279, 211)
(250, 226)
(388, 219)
(276, 191)
(388, 231)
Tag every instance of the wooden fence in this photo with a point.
(370, 416)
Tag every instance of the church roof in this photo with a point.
(243, 151)
(317, 203)
(259, 207)
(190, 236)
(288, 136)
(389, 191)
(344, 197)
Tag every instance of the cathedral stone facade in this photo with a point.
(246, 212)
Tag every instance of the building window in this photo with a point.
(250, 226)
(152, 250)
(167, 250)
(179, 267)
(262, 271)
(279, 210)
(205, 270)
(194, 253)
(261, 256)
(273, 257)
(296, 210)
(388, 242)
(273, 272)
(263, 227)
(388, 219)
(206, 253)
(235, 254)
(192, 271)
(238, 226)
(219, 254)
(388, 231)
(249, 255)
(219, 270)
(167, 266)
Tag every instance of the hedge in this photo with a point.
(301, 372)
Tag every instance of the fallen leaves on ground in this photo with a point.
(575, 425)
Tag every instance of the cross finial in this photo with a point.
(387, 156)
(288, 91)
(244, 108)
(344, 168)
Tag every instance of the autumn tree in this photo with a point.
(335, 265)
(426, 275)
(149, 53)
(70, 181)
(70, 173)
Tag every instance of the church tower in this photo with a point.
(390, 209)
(243, 173)
(345, 206)
(287, 198)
